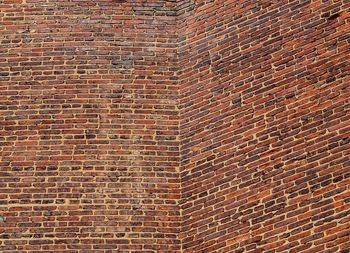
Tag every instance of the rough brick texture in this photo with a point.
(265, 125)
(174, 126)
(89, 126)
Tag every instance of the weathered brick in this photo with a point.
(65, 107)
(285, 109)
(174, 126)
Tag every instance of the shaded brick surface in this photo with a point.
(88, 132)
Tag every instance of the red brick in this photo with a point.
(280, 67)
(174, 126)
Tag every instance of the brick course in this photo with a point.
(264, 124)
(89, 126)
(174, 126)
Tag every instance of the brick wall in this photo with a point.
(88, 134)
(151, 126)
(265, 116)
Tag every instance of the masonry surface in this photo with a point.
(174, 126)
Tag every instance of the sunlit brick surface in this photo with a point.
(265, 125)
